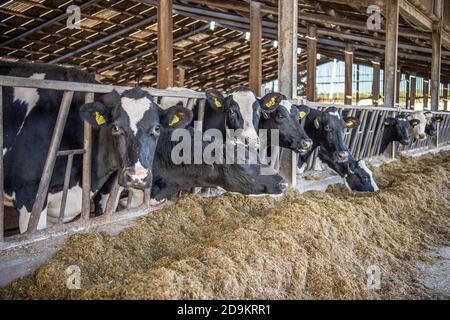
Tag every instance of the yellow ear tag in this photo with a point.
(271, 103)
(218, 103)
(175, 120)
(99, 119)
(349, 123)
(317, 123)
(302, 114)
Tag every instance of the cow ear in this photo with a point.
(438, 118)
(414, 122)
(215, 99)
(351, 122)
(271, 101)
(303, 111)
(96, 114)
(177, 117)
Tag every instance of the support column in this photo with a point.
(348, 74)
(376, 81)
(390, 60)
(407, 79)
(311, 64)
(397, 87)
(165, 44)
(357, 84)
(445, 97)
(255, 77)
(287, 72)
(436, 44)
(426, 91)
(412, 94)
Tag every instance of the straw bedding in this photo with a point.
(300, 246)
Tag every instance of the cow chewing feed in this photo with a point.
(432, 124)
(170, 178)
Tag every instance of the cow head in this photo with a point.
(279, 114)
(251, 113)
(431, 127)
(326, 128)
(225, 109)
(399, 129)
(418, 122)
(130, 126)
(357, 176)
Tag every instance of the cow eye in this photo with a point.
(327, 127)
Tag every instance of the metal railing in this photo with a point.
(364, 143)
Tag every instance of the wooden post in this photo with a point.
(287, 71)
(376, 81)
(412, 95)
(397, 88)
(311, 64)
(50, 162)
(445, 97)
(255, 76)
(426, 91)
(357, 84)
(407, 88)
(436, 44)
(2, 207)
(87, 158)
(165, 44)
(181, 76)
(348, 74)
(390, 60)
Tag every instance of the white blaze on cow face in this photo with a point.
(135, 108)
(28, 96)
(287, 105)
(140, 173)
(419, 130)
(363, 166)
(245, 101)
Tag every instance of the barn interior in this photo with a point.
(202, 44)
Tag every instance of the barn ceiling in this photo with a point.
(118, 39)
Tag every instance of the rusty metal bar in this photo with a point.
(2, 207)
(50, 162)
(87, 158)
(67, 175)
(113, 198)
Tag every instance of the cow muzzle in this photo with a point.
(305, 146)
(341, 156)
(137, 178)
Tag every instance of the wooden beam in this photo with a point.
(436, 44)
(445, 96)
(426, 92)
(415, 15)
(311, 66)
(391, 52)
(181, 76)
(348, 74)
(397, 87)
(287, 72)
(412, 95)
(165, 44)
(255, 76)
(376, 80)
(407, 94)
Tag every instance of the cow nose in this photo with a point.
(422, 136)
(253, 142)
(155, 130)
(283, 186)
(307, 144)
(136, 178)
(341, 156)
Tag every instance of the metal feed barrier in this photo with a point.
(364, 143)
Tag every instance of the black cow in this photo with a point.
(398, 129)
(126, 130)
(170, 178)
(432, 124)
(326, 128)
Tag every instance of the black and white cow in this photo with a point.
(420, 120)
(126, 129)
(326, 129)
(398, 129)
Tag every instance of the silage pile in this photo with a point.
(311, 246)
